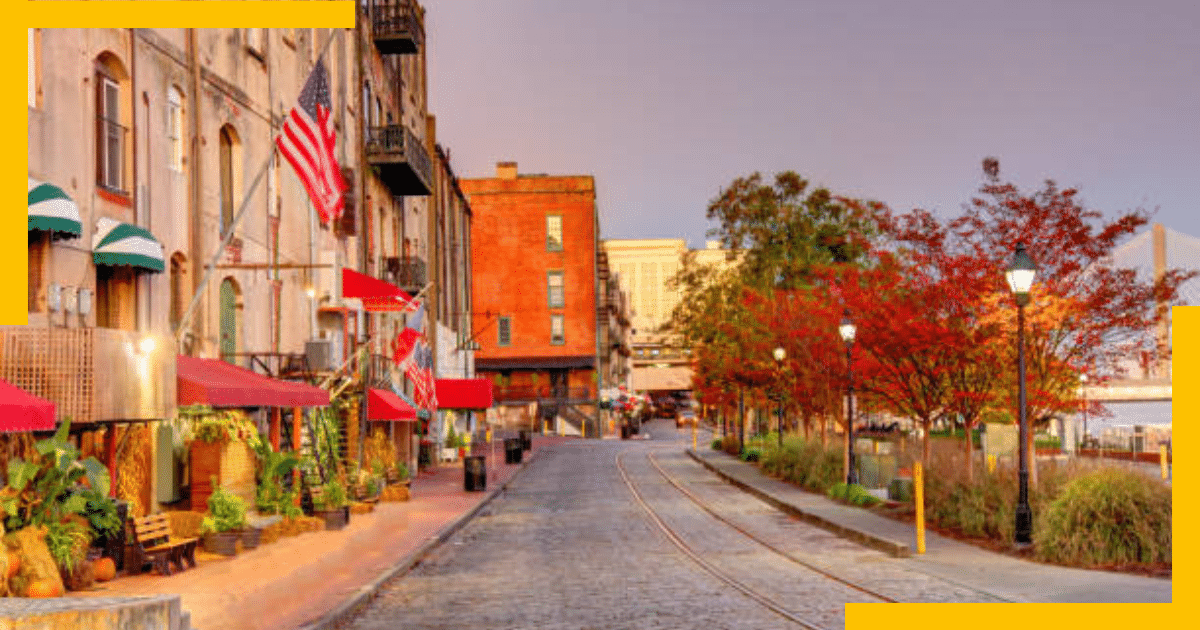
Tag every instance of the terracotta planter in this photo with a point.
(251, 537)
(334, 519)
(222, 543)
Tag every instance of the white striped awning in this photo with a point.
(51, 210)
(117, 243)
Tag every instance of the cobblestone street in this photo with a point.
(568, 546)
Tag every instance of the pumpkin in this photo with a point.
(14, 564)
(43, 588)
(105, 569)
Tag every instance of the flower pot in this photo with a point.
(222, 543)
(251, 537)
(334, 519)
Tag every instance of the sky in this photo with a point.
(667, 101)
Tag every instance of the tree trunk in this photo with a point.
(970, 453)
(925, 426)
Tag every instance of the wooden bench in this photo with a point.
(152, 535)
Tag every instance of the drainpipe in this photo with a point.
(195, 242)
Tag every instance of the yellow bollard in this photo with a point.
(991, 463)
(919, 500)
(694, 437)
(1162, 459)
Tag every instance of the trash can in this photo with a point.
(474, 473)
(624, 430)
(526, 441)
(512, 451)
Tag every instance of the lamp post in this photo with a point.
(1020, 278)
(847, 330)
(780, 355)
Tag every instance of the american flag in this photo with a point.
(406, 341)
(307, 142)
(419, 370)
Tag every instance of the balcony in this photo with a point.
(531, 393)
(408, 273)
(400, 160)
(395, 27)
(91, 374)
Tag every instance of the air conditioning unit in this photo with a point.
(319, 353)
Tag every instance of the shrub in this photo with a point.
(731, 445)
(226, 511)
(716, 444)
(1110, 516)
(851, 493)
(751, 454)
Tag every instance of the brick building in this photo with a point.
(534, 244)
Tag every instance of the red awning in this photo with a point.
(219, 384)
(376, 294)
(22, 411)
(384, 405)
(464, 393)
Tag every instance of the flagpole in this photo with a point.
(228, 236)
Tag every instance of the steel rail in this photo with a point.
(704, 564)
(706, 507)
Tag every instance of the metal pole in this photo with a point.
(781, 423)
(851, 475)
(1024, 515)
(741, 420)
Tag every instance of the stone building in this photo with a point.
(164, 224)
(535, 240)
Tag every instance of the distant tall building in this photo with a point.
(646, 267)
(534, 244)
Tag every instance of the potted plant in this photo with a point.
(332, 504)
(107, 528)
(68, 543)
(222, 526)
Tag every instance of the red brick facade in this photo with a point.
(512, 262)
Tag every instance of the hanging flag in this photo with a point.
(307, 142)
(419, 370)
(406, 341)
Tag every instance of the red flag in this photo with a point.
(307, 142)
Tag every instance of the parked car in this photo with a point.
(685, 417)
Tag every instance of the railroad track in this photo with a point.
(721, 574)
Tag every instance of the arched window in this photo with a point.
(231, 306)
(230, 168)
(112, 124)
(179, 291)
(175, 128)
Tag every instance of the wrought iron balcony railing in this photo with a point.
(396, 27)
(401, 160)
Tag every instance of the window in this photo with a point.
(554, 233)
(175, 128)
(228, 172)
(111, 135)
(558, 335)
(179, 299)
(38, 244)
(504, 328)
(554, 289)
(116, 296)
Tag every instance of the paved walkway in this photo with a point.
(962, 563)
(308, 580)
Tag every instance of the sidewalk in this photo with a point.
(308, 581)
(962, 563)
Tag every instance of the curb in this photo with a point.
(888, 546)
(363, 596)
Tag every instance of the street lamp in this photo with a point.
(847, 330)
(780, 355)
(1020, 278)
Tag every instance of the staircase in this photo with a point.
(576, 420)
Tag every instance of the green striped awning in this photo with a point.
(51, 210)
(117, 243)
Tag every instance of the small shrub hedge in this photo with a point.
(852, 493)
(1107, 517)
